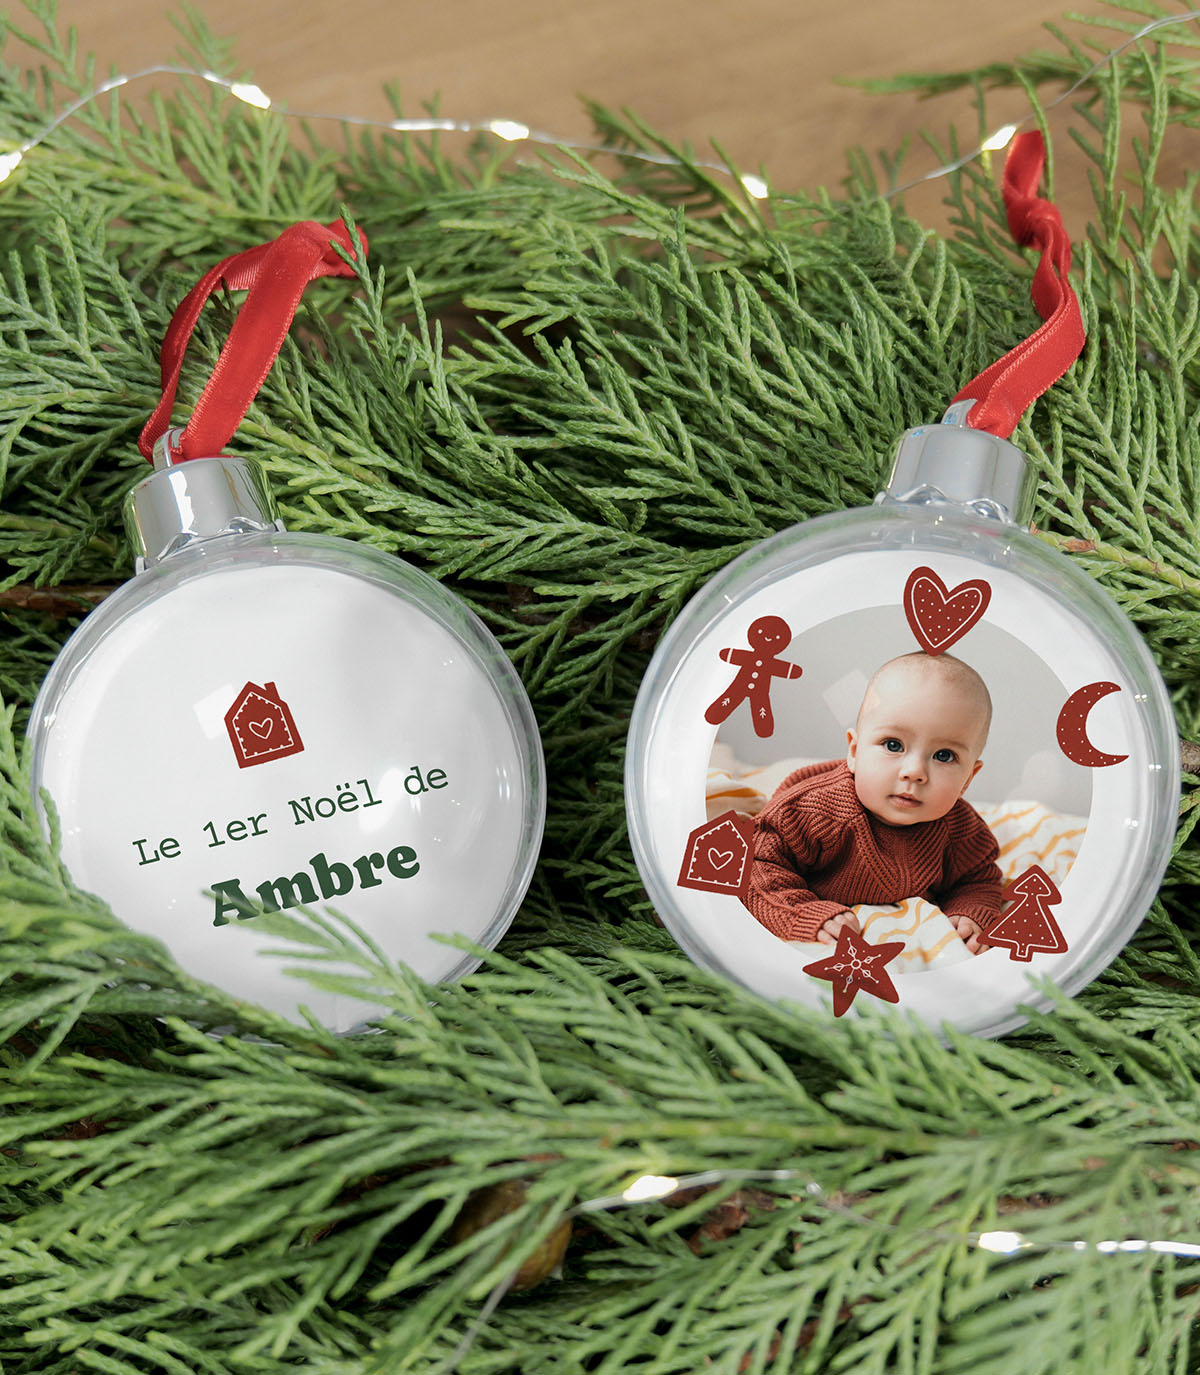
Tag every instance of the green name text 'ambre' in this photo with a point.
(329, 880)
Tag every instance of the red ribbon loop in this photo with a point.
(275, 275)
(1012, 384)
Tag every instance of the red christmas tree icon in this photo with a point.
(1029, 925)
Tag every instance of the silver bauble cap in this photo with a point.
(182, 503)
(952, 464)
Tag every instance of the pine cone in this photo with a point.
(488, 1205)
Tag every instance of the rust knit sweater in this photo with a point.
(818, 851)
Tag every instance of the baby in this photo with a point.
(889, 822)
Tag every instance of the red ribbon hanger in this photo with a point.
(1004, 391)
(275, 275)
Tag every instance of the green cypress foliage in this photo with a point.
(573, 391)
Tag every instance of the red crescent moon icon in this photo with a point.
(1072, 727)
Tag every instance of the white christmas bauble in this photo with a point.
(262, 721)
(765, 671)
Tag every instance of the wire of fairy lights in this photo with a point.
(650, 1188)
(516, 131)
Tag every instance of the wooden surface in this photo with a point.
(761, 77)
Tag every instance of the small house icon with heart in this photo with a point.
(260, 726)
(718, 855)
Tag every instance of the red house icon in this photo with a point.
(718, 855)
(260, 726)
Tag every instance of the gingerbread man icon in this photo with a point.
(756, 667)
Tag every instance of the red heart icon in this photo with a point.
(938, 615)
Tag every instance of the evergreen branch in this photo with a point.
(1155, 570)
(574, 397)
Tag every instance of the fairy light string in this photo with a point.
(652, 1188)
(648, 1189)
(516, 131)
(507, 130)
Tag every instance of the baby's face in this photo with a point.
(915, 749)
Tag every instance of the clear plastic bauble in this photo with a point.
(261, 720)
(1080, 782)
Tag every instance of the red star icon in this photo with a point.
(854, 965)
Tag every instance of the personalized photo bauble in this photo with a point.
(908, 756)
(270, 721)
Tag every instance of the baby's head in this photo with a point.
(921, 728)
